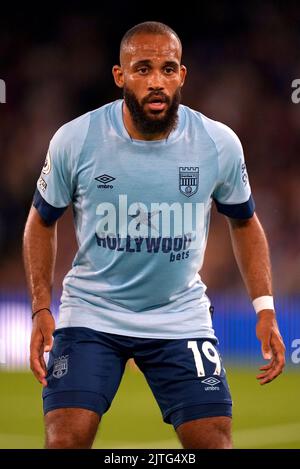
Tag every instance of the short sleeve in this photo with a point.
(232, 193)
(55, 182)
(55, 187)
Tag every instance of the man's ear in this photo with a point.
(118, 75)
(183, 72)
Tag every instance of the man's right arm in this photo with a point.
(39, 252)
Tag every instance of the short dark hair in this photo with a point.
(148, 27)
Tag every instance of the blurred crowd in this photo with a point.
(241, 65)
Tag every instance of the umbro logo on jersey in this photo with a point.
(105, 179)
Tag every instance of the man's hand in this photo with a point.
(272, 346)
(41, 342)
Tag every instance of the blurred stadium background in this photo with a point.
(242, 59)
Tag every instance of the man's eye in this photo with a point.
(169, 70)
(143, 70)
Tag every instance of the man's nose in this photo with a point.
(155, 82)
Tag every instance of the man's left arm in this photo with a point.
(251, 251)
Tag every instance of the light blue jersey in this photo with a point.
(141, 213)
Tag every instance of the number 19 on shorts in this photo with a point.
(210, 352)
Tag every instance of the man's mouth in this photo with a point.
(157, 104)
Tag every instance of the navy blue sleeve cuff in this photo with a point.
(242, 211)
(48, 213)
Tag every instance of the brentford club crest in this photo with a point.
(60, 368)
(188, 180)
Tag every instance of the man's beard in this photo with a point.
(148, 124)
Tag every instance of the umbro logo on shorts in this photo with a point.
(211, 384)
(211, 381)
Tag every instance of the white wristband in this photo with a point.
(263, 302)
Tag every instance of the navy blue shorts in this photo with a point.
(185, 375)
